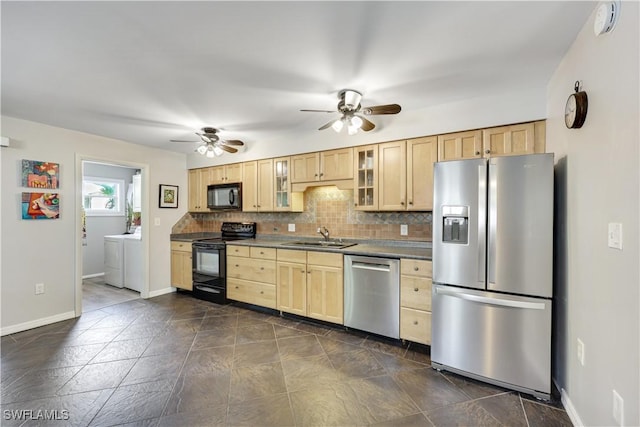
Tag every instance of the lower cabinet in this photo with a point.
(251, 275)
(310, 284)
(415, 300)
(181, 265)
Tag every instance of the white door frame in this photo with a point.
(144, 167)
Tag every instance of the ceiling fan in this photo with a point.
(352, 113)
(212, 145)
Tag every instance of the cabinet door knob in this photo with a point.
(415, 322)
(321, 174)
(261, 268)
(355, 204)
(402, 203)
(262, 292)
(261, 253)
(477, 153)
(415, 269)
(416, 289)
(237, 265)
(487, 151)
(237, 287)
(315, 174)
(410, 202)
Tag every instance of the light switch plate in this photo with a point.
(156, 221)
(292, 227)
(615, 235)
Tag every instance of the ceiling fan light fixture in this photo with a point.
(217, 150)
(356, 121)
(210, 154)
(338, 125)
(202, 149)
(352, 99)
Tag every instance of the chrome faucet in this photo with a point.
(324, 232)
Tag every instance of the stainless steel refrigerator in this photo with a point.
(492, 270)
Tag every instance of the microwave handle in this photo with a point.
(232, 197)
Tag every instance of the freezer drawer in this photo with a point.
(495, 337)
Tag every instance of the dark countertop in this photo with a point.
(368, 247)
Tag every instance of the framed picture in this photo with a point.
(168, 196)
(40, 206)
(37, 174)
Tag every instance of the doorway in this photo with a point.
(104, 201)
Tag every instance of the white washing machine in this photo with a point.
(133, 262)
(114, 260)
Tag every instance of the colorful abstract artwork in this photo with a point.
(37, 174)
(40, 206)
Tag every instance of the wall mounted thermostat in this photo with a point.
(606, 17)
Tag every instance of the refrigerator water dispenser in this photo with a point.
(455, 224)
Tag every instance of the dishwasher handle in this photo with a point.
(371, 266)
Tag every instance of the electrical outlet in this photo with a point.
(615, 235)
(292, 227)
(580, 351)
(618, 408)
(404, 230)
(39, 288)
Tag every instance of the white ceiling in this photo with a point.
(147, 72)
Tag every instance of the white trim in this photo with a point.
(37, 323)
(571, 410)
(161, 292)
(89, 276)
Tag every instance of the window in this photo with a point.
(103, 196)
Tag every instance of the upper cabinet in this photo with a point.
(323, 166)
(226, 173)
(257, 186)
(366, 178)
(199, 179)
(512, 140)
(406, 174)
(285, 200)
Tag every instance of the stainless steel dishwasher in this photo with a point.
(372, 294)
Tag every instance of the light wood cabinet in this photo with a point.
(331, 165)
(460, 145)
(415, 300)
(199, 179)
(251, 275)
(285, 199)
(310, 284)
(511, 140)
(257, 186)
(181, 265)
(406, 174)
(226, 174)
(366, 178)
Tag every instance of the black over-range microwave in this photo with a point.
(225, 196)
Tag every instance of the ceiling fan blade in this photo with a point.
(227, 149)
(319, 111)
(328, 125)
(367, 125)
(235, 142)
(182, 140)
(381, 109)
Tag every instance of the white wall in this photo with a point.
(598, 291)
(102, 225)
(45, 251)
(473, 113)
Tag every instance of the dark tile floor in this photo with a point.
(177, 361)
(97, 294)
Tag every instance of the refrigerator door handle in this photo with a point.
(482, 231)
(492, 223)
(492, 301)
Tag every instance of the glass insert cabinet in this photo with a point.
(283, 185)
(366, 185)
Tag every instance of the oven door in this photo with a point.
(207, 260)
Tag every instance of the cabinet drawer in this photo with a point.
(415, 292)
(262, 253)
(258, 270)
(292, 255)
(415, 325)
(252, 293)
(327, 259)
(238, 250)
(415, 267)
(181, 246)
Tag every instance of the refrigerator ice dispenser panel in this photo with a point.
(455, 224)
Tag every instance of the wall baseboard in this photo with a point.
(89, 276)
(571, 410)
(161, 292)
(37, 323)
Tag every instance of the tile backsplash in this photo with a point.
(324, 206)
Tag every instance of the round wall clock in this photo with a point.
(575, 110)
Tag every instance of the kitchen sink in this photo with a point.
(320, 244)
